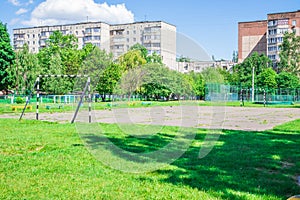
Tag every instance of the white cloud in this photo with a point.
(29, 2)
(15, 2)
(21, 11)
(52, 12)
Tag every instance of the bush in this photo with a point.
(20, 100)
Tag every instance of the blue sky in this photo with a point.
(212, 24)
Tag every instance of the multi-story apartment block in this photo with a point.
(278, 24)
(92, 32)
(199, 66)
(267, 35)
(158, 36)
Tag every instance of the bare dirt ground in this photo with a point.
(236, 118)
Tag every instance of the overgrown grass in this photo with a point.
(41, 160)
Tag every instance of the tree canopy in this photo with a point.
(290, 54)
(244, 70)
(7, 58)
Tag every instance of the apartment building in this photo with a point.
(199, 66)
(156, 36)
(266, 36)
(91, 32)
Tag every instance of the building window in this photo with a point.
(134, 32)
(97, 44)
(272, 23)
(294, 23)
(88, 30)
(156, 45)
(97, 29)
(283, 22)
(273, 32)
(272, 57)
(127, 32)
(134, 39)
(127, 39)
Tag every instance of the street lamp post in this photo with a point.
(252, 92)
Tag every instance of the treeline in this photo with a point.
(135, 72)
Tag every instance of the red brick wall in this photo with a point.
(256, 28)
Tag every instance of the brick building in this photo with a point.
(265, 36)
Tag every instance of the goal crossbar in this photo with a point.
(36, 86)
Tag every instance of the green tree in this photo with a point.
(290, 54)
(183, 59)
(61, 51)
(131, 81)
(267, 79)
(287, 80)
(197, 83)
(7, 57)
(132, 59)
(26, 69)
(212, 75)
(141, 48)
(55, 85)
(108, 80)
(154, 58)
(95, 64)
(156, 82)
(244, 70)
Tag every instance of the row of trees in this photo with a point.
(261, 67)
(135, 72)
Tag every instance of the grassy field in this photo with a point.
(50, 107)
(42, 160)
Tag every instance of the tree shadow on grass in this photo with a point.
(241, 164)
(259, 163)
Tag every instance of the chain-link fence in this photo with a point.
(235, 93)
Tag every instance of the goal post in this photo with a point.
(87, 88)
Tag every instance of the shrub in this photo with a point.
(19, 100)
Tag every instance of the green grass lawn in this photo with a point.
(51, 107)
(42, 160)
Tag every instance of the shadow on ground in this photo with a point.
(242, 163)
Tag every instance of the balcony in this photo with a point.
(19, 37)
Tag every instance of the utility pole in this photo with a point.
(252, 92)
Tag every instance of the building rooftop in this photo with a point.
(81, 23)
(284, 12)
(253, 21)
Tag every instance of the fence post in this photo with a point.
(241, 98)
(37, 98)
(265, 98)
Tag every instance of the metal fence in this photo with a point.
(235, 93)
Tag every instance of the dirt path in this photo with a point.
(236, 118)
